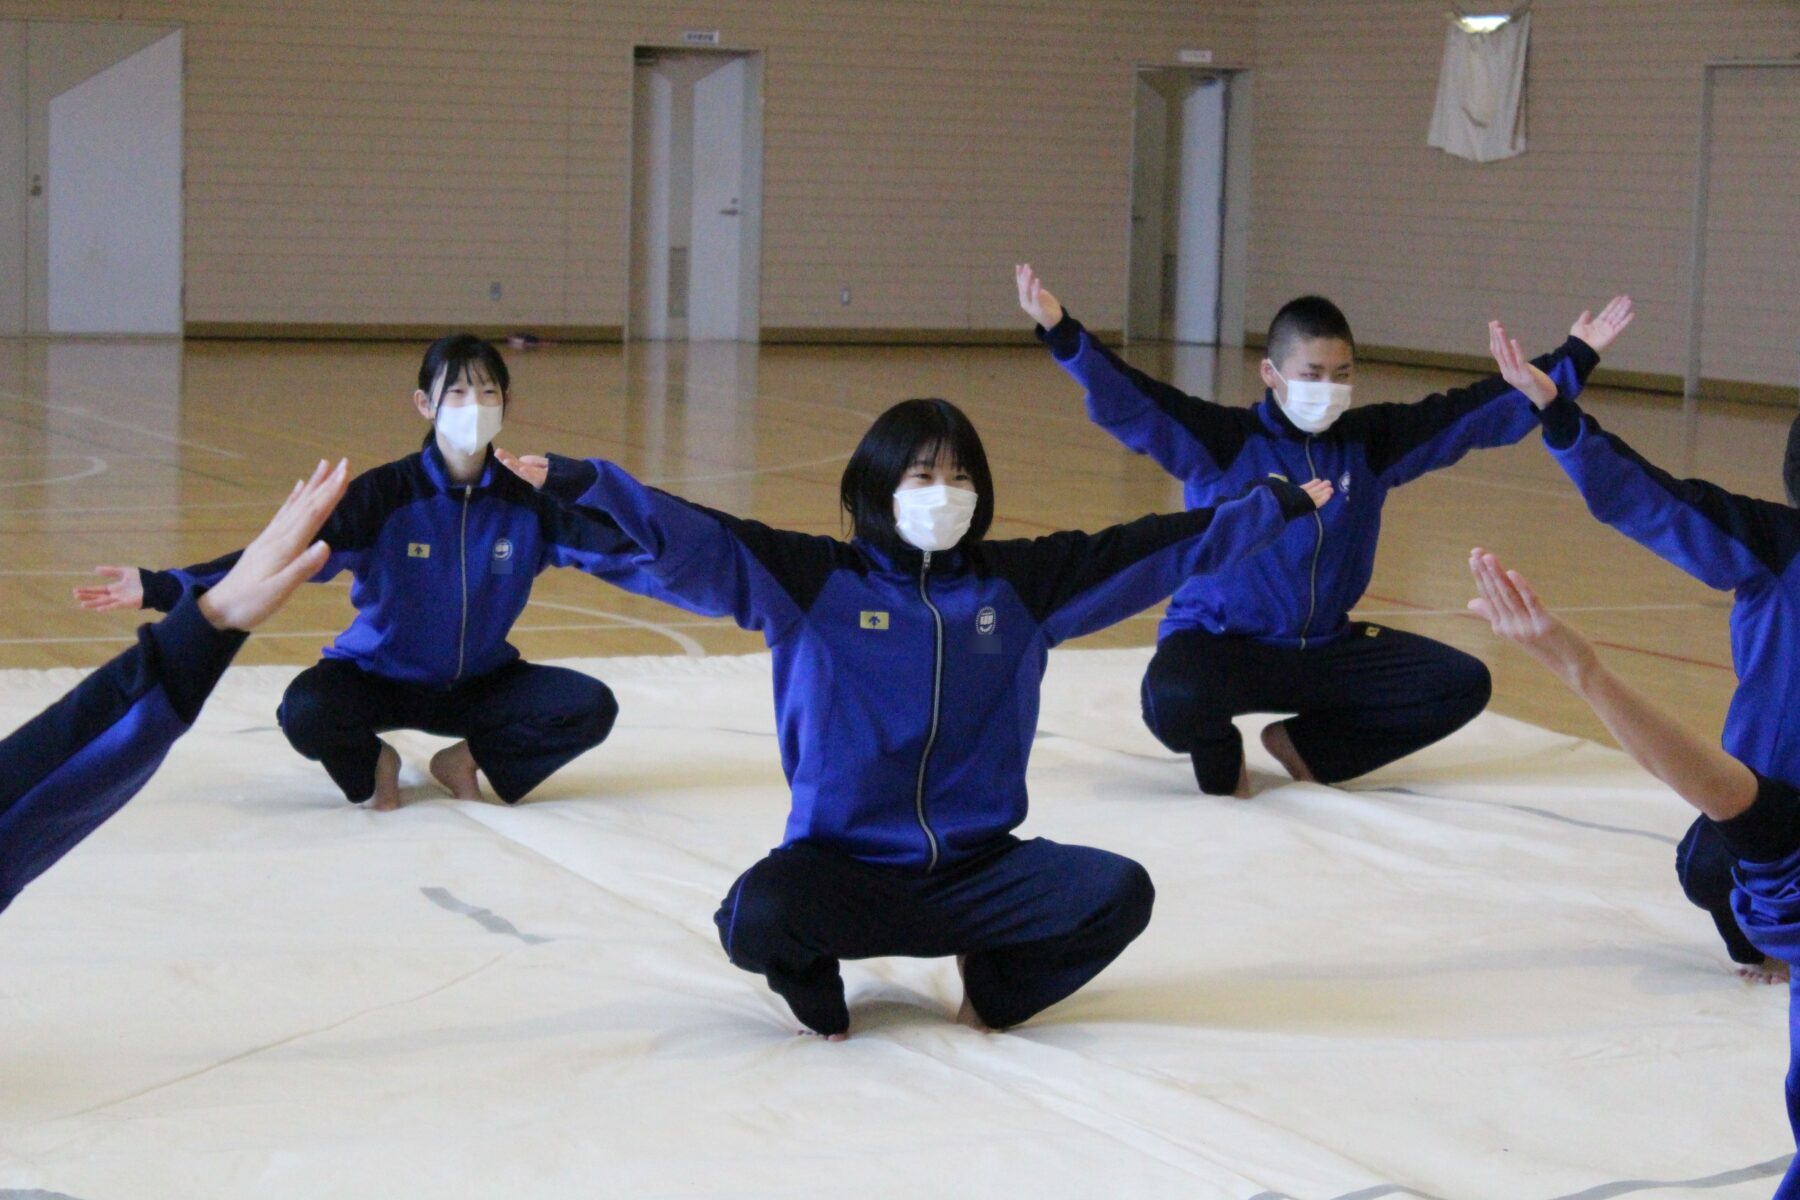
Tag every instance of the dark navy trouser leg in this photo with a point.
(1036, 920)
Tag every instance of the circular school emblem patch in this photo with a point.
(985, 620)
(502, 550)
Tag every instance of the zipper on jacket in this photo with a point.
(1312, 583)
(937, 683)
(462, 637)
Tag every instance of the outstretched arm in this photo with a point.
(1186, 435)
(1407, 440)
(350, 529)
(1700, 773)
(67, 770)
(1076, 583)
(707, 561)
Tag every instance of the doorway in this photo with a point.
(1178, 234)
(696, 195)
(91, 157)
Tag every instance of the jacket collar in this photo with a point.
(1275, 420)
(439, 471)
(902, 559)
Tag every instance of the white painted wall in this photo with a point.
(114, 191)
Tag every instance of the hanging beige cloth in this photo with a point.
(1480, 111)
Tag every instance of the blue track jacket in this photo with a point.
(1301, 592)
(75, 764)
(440, 571)
(1748, 547)
(1734, 543)
(906, 684)
(1766, 903)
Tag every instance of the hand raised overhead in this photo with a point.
(1037, 302)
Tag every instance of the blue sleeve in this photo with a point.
(68, 769)
(707, 561)
(1405, 441)
(1076, 583)
(1720, 538)
(590, 541)
(350, 531)
(1187, 436)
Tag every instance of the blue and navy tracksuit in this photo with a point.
(1764, 840)
(75, 764)
(440, 571)
(1734, 543)
(906, 700)
(1275, 634)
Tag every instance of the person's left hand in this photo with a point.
(1036, 299)
(532, 468)
(1518, 370)
(1601, 331)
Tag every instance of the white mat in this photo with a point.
(1473, 976)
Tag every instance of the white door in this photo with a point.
(114, 192)
(1149, 166)
(1202, 192)
(716, 242)
(696, 196)
(652, 123)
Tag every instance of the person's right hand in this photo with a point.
(280, 558)
(532, 468)
(1513, 611)
(125, 590)
(1038, 304)
(1518, 370)
(1319, 489)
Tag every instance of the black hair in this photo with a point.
(910, 430)
(1302, 318)
(1790, 465)
(461, 353)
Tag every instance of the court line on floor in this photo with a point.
(89, 415)
(689, 646)
(289, 634)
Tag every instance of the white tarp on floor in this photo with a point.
(1473, 976)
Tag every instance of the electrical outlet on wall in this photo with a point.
(494, 290)
(844, 295)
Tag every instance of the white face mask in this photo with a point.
(934, 518)
(1313, 405)
(469, 428)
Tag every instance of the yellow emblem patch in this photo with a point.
(874, 620)
(418, 549)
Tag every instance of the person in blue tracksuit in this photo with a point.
(1735, 543)
(907, 666)
(1755, 817)
(442, 547)
(1276, 636)
(64, 772)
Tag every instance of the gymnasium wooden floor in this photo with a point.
(159, 453)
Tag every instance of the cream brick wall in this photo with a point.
(381, 163)
(1420, 248)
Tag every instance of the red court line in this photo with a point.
(1663, 654)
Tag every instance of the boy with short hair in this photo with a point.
(1274, 634)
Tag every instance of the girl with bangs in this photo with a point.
(907, 667)
(442, 547)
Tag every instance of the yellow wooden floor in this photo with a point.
(163, 454)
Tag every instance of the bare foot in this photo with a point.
(1242, 790)
(454, 767)
(1769, 970)
(387, 780)
(1276, 741)
(965, 1013)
